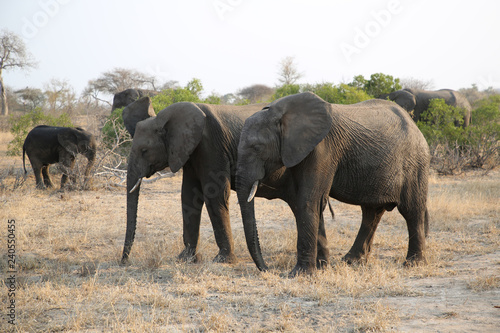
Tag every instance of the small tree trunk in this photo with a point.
(3, 98)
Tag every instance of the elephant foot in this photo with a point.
(415, 260)
(189, 255)
(226, 258)
(352, 259)
(124, 262)
(301, 269)
(321, 263)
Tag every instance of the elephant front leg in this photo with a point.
(192, 204)
(362, 245)
(217, 200)
(307, 240)
(68, 162)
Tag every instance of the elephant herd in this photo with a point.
(299, 149)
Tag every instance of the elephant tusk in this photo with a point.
(253, 191)
(136, 185)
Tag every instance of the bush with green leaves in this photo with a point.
(21, 126)
(286, 90)
(337, 94)
(483, 134)
(340, 94)
(454, 147)
(378, 84)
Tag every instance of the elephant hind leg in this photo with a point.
(216, 198)
(417, 222)
(362, 245)
(46, 176)
(37, 170)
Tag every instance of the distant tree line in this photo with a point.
(453, 148)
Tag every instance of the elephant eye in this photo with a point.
(144, 151)
(258, 148)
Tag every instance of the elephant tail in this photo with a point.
(24, 160)
(331, 209)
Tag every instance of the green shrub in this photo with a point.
(21, 126)
(190, 93)
(377, 85)
(453, 147)
(114, 133)
(438, 123)
(286, 90)
(340, 94)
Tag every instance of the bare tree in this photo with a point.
(13, 54)
(256, 93)
(288, 72)
(119, 79)
(31, 98)
(61, 96)
(413, 83)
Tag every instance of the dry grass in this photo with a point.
(69, 244)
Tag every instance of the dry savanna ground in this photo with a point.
(68, 245)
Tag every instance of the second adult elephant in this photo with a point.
(417, 101)
(369, 154)
(202, 139)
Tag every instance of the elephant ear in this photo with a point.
(305, 122)
(68, 140)
(183, 124)
(137, 111)
(405, 99)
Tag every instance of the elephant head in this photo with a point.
(78, 141)
(127, 96)
(166, 140)
(404, 98)
(137, 111)
(282, 134)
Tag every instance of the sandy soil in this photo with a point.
(71, 280)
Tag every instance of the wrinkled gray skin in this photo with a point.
(201, 139)
(125, 97)
(47, 145)
(417, 101)
(369, 154)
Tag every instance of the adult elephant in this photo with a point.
(47, 145)
(127, 96)
(417, 101)
(369, 154)
(202, 139)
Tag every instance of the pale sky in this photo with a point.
(231, 44)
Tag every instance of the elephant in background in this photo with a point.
(369, 154)
(127, 96)
(202, 139)
(47, 145)
(417, 101)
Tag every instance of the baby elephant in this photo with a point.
(47, 145)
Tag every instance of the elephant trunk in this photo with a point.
(132, 203)
(246, 193)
